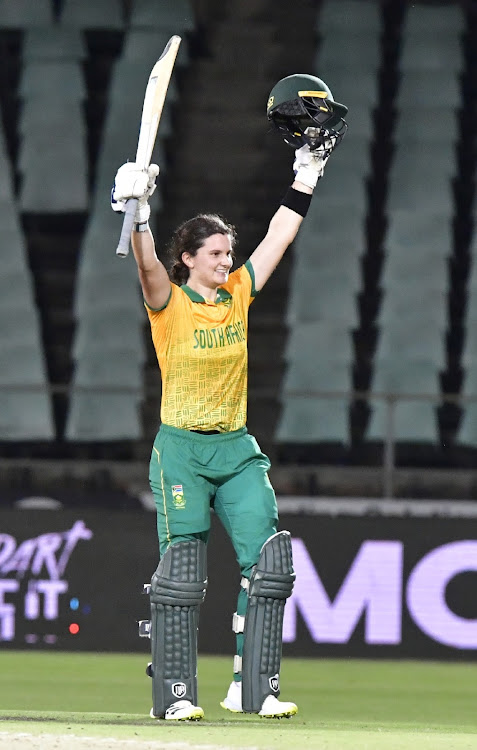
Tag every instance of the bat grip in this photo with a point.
(122, 249)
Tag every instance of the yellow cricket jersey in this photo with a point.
(201, 348)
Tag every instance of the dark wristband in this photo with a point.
(297, 201)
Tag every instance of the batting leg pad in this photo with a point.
(271, 583)
(177, 590)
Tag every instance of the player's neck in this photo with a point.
(205, 291)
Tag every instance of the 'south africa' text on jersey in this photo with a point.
(210, 338)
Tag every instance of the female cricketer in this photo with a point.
(203, 455)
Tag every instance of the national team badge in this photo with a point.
(178, 496)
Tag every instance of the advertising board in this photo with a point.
(366, 586)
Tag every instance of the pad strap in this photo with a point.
(238, 623)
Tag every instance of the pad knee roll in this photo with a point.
(271, 583)
(177, 590)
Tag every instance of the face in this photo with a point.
(212, 263)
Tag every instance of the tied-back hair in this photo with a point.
(190, 236)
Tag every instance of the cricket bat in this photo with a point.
(154, 99)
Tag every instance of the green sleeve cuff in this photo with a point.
(158, 309)
(249, 268)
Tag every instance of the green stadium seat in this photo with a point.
(311, 420)
(53, 43)
(25, 416)
(412, 421)
(353, 16)
(97, 417)
(92, 14)
(178, 16)
(24, 14)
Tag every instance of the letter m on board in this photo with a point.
(372, 586)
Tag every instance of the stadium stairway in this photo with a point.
(365, 336)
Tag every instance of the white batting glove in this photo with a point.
(309, 165)
(133, 182)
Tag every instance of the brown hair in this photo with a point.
(190, 236)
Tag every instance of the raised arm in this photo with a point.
(153, 276)
(131, 182)
(285, 223)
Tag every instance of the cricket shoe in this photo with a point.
(272, 708)
(181, 711)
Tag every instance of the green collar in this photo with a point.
(222, 294)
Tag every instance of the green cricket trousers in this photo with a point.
(191, 472)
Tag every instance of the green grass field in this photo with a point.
(343, 705)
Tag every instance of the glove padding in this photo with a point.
(133, 182)
(309, 165)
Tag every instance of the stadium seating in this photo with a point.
(431, 39)
(25, 413)
(318, 357)
(108, 304)
(176, 17)
(307, 420)
(54, 141)
(334, 301)
(428, 21)
(108, 347)
(434, 123)
(92, 14)
(326, 275)
(339, 253)
(24, 14)
(25, 406)
(415, 420)
(467, 430)
(411, 421)
(102, 416)
(107, 333)
(348, 16)
(423, 88)
(362, 45)
(53, 43)
(411, 348)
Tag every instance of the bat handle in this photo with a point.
(122, 249)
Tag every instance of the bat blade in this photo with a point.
(154, 98)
